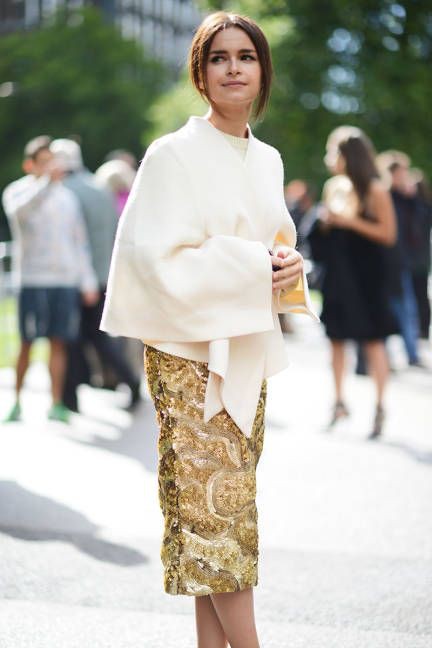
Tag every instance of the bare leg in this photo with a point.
(236, 614)
(22, 366)
(379, 371)
(57, 367)
(378, 367)
(338, 366)
(210, 632)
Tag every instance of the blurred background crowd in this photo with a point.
(86, 86)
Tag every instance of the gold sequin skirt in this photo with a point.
(207, 483)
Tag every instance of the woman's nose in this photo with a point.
(233, 66)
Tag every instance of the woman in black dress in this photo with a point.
(352, 247)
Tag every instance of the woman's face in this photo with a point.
(233, 71)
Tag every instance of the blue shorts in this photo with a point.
(49, 313)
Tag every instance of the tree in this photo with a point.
(367, 63)
(75, 76)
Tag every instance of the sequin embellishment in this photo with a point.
(207, 483)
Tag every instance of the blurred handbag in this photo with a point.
(340, 197)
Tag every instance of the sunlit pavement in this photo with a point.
(345, 524)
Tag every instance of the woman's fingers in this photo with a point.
(287, 273)
(290, 264)
(287, 282)
(286, 262)
(292, 260)
(277, 262)
(290, 272)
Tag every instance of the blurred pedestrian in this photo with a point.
(298, 199)
(421, 257)
(54, 266)
(402, 256)
(101, 221)
(116, 176)
(192, 276)
(124, 156)
(351, 239)
(301, 204)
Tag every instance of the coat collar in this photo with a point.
(201, 125)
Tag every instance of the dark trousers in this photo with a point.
(404, 308)
(108, 349)
(420, 285)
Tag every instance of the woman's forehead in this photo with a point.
(232, 38)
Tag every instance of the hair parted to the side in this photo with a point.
(359, 155)
(201, 44)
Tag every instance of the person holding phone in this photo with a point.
(192, 277)
(54, 266)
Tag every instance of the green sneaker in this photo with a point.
(14, 415)
(59, 412)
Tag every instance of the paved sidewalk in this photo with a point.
(345, 524)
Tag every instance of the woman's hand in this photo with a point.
(290, 263)
(331, 219)
(336, 220)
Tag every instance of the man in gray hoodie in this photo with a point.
(53, 263)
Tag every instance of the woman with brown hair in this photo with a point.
(192, 277)
(351, 239)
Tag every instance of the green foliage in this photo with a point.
(172, 109)
(367, 63)
(75, 76)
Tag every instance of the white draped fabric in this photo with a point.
(191, 273)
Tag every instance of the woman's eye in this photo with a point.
(244, 57)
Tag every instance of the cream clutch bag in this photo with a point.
(340, 197)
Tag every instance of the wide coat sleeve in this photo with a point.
(169, 280)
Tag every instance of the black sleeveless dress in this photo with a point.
(355, 286)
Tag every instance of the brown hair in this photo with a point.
(359, 155)
(35, 146)
(200, 48)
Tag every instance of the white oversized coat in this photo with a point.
(191, 272)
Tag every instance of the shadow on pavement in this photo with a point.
(422, 456)
(138, 440)
(413, 453)
(21, 510)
